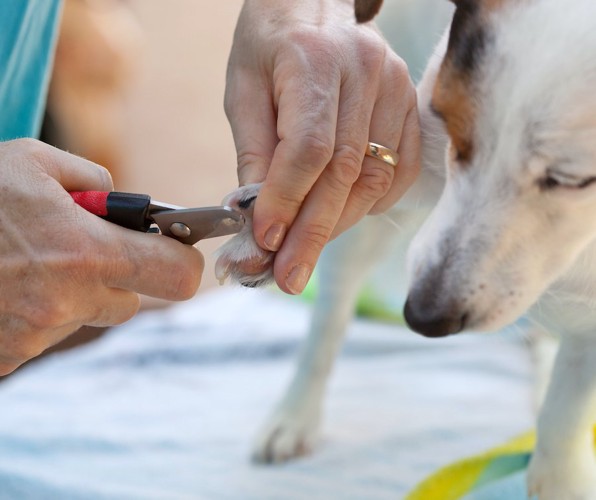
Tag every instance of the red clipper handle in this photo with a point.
(128, 210)
(95, 202)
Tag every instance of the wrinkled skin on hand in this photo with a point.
(60, 266)
(307, 88)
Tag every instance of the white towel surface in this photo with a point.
(166, 407)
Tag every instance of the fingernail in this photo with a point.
(298, 278)
(274, 237)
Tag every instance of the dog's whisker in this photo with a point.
(392, 222)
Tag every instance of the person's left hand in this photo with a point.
(307, 88)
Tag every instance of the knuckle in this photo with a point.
(33, 149)
(105, 178)
(398, 67)
(6, 368)
(372, 47)
(21, 347)
(85, 266)
(397, 79)
(312, 152)
(230, 103)
(28, 143)
(316, 235)
(375, 181)
(346, 166)
(372, 51)
(312, 41)
(128, 310)
(288, 204)
(185, 279)
(245, 161)
(49, 314)
(29, 351)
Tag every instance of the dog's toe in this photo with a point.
(240, 259)
(571, 479)
(251, 272)
(285, 437)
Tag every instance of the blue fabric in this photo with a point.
(507, 488)
(167, 406)
(28, 32)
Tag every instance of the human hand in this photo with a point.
(62, 267)
(307, 88)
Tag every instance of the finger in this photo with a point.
(24, 345)
(388, 122)
(149, 264)
(7, 366)
(103, 307)
(249, 108)
(20, 342)
(23, 340)
(307, 118)
(295, 261)
(326, 200)
(408, 167)
(112, 306)
(74, 172)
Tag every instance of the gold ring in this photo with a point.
(382, 153)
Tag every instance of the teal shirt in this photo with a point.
(28, 32)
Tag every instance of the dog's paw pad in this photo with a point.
(251, 271)
(240, 259)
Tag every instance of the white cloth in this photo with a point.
(166, 407)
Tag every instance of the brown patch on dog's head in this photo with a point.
(455, 97)
(366, 10)
(452, 101)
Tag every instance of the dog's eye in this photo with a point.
(555, 180)
(436, 112)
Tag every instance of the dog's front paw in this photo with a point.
(287, 434)
(240, 258)
(562, 477)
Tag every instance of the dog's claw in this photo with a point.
(222, 270)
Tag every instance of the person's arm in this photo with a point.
(62, 267)
(307, 89)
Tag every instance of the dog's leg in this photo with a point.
(543, 350)
(563, 464)
(293, 426)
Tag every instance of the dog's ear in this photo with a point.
(365, 10)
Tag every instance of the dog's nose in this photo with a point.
(433, 324)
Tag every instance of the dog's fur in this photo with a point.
(512, 232)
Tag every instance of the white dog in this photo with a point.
(513, 231)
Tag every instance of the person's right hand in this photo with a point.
(62, 267)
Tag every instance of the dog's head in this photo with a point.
(516, 94)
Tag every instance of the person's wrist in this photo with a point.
(303, 10)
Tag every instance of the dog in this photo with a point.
(503, 221)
